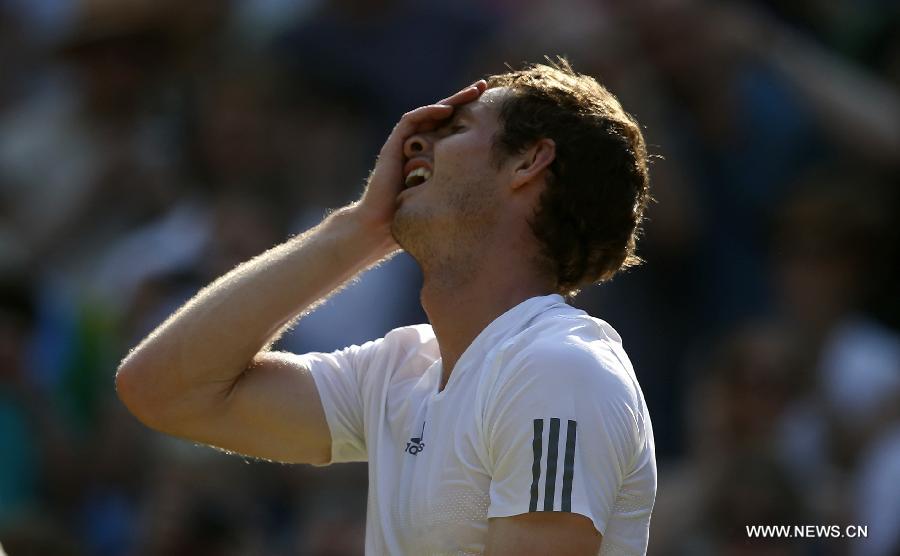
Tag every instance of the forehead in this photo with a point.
(486, 106)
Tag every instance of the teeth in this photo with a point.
(418, 176)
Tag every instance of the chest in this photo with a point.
(437, 488)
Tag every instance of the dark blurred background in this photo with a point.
(148, 146)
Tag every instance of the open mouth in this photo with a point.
(417, 177)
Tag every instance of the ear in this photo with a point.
(531, 164)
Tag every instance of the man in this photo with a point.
(513, 424)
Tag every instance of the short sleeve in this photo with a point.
(561, 433)
(352, 383)
(339, 380)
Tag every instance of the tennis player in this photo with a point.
(512, 424)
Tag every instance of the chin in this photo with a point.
(410, 233)
(401, 229)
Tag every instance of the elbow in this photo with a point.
(133, 387)
(124, 382)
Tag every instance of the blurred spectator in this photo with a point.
(361, 50)
(18, 480)
(831, 247)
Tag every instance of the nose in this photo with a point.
(416, 145)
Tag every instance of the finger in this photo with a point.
(462, 97)
(417, 120)
(421, 115)
(468, 94)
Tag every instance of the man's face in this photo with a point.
(457, 204)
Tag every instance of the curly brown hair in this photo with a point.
(588, 218)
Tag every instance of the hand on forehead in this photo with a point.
(490, 97)
(464, 103)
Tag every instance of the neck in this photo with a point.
(460, 307)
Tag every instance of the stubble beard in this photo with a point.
(445, 242)
(411, 232)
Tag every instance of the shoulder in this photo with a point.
(417, 341)
(420, 333)
(572, 351)
(404, 348)
(570, 368)
(400, 342)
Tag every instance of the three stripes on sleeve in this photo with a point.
(545, 464)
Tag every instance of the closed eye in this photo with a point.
(451, 128)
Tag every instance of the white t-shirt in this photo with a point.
(541, 413)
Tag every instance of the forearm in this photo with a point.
(200, 374)
(202, 349)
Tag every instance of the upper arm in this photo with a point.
(561, 534)
(284, 407)
(272, 411)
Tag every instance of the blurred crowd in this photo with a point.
(148, 146)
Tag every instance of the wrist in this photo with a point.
(372, 236)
